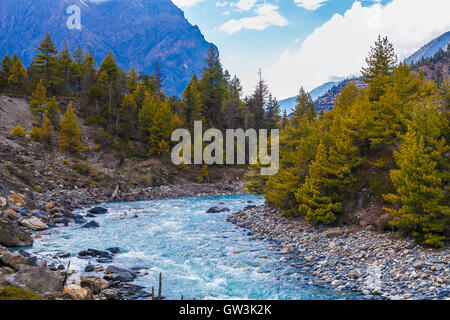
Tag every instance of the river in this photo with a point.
(200, 254)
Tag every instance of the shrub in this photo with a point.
(16, 293)
(18, 131)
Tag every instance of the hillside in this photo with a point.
(38, 172)
(430, 49)
(140, 33)
(435, 68)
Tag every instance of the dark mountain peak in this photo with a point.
(139, 33)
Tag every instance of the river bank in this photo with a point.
(378, 265)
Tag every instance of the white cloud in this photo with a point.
(186, 3)
(338, 47)
(310, 4)
(246, 4)
(267, 15)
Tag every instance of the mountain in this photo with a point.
(326, 102)
(289, 103)
(430, 49)
(435, 68)
(139, 33)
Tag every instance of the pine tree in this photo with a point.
(212, 88)
(314, 203)
(52, 112)
(43, 133)
(45, 62)
(70, 132)
(5, 72)
(38, 103)
(128, 116)
(272, 114)
(17, 77)
(192, 103)
(157, 120)
(419, 192)
(257, 102)
(65, 71)
(380, 64)
(304, 108)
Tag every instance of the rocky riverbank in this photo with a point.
(23, 221)
(362, 260)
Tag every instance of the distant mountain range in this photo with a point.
(430, 49)
(289, 104)
(433, 64)
(139, 33)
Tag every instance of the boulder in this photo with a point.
(11, 235)
(13, 259)
(78, 293)
(39, 279)
(91, 224)
(114, 250)
(109, 294)
(3, 203)
(98, 210)
(11, 214)
(39, 214)
(217, 210)
(89, 268)
(120, 274)
(96, 284)
(18, 199)
(34, 224)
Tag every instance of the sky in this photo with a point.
(309, 42)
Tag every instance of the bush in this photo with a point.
(18, 131)
(81, 168)
(16, 293)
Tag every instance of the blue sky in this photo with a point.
(308, 42)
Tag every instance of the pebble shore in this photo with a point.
(352, 259)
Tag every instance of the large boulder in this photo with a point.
(78, 293)
(98, 210)
(11, 214)
(11, 235)
(96, 284)
(39, 279)
(119, 274)
(217, 210)
(91, 225)
(34, 224)
(39, 214)
(13, 259)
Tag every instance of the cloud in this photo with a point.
(186, 3)
(246, 4)
(310, 4)
(267, 15)
(338, 47)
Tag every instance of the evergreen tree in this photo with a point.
(38, 102)
(45, 63)
(304, 108)
(419, 192)
(18, 131)
(257, 102)
(128, 117)
(192, 103)
(212, 88)
(380, 64)
(17, 77)
(5, 72)
(70, 132)
(272, 114)
(314, 203)
(65, 70)
(52, 112)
